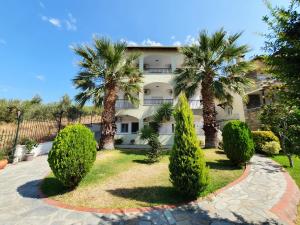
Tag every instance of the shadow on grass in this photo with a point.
(134, 151)
(142, 161)
(222, 164)
(51, 186)
(220, 152)
(156, 195)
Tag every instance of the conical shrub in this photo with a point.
(188, 171)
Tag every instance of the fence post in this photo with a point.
(19, 115)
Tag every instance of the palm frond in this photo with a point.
(164, 113)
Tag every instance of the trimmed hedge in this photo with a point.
(73, 154)
(261, 137)
(271, 148)
(188, 172)
(237, 142)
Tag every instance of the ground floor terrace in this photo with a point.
(128, 128)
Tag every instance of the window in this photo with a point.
(134, 128)
(229, 110)
(254, 101)
(124, 127)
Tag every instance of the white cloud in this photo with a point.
(129, 43)
(189, 40)
(54, 21)
(42, 5)
(173, 37)
(177, 43)
(68, 24)
(71, 22)
(40, 77)
(148, 42)
(2, 41)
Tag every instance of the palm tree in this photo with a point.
(214, 64)
(107, 68)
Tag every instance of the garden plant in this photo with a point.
(213, 63)
(237, 142)
(188, 172)
(73, 154)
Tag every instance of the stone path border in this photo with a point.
(286, 208)
(140, 209)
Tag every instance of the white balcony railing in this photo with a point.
(157, 101)
(195, 104)
(158, 70)
(124, 104)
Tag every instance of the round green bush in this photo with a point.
(271, 148)
(237, 142)
(73, 154)
(261, 137)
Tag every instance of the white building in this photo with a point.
(158, 65)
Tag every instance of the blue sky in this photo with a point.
(35, 36)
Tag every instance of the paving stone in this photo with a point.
(249, 200)
(169, 217)
(180, 216)
(184, 222)
(145, 223)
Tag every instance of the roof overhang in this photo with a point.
(152, 48)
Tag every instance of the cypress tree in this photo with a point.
(188, 171)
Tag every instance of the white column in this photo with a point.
(141, 64)
(173, 63)
(141, 96)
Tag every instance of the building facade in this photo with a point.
(157, 65)
(260, 94)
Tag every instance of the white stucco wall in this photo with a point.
(41, 149)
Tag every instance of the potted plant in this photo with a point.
(30, 144)
(3, 159)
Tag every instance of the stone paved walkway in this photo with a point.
(248, 202)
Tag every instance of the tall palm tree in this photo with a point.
(214, 64)
(106, 68)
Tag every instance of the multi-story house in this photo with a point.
(158, 65)
(259, 94)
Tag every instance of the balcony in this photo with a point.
(157, 101)
(157, 70)
(195, 104)
(124, 104)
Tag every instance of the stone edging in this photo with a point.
(286, 208)
(141, 209)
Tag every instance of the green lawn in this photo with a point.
(123, 179)
(294, 172)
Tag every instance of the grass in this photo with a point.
(294, 172)
(123, 179)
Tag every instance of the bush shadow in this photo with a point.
(157, 195)
(222, 164)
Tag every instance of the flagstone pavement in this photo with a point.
(250, 201)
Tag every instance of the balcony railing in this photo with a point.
(157, 101)
(157, 70)
(195, 104)
(124, 104)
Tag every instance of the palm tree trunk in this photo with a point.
(209, 113)
(108, 128)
